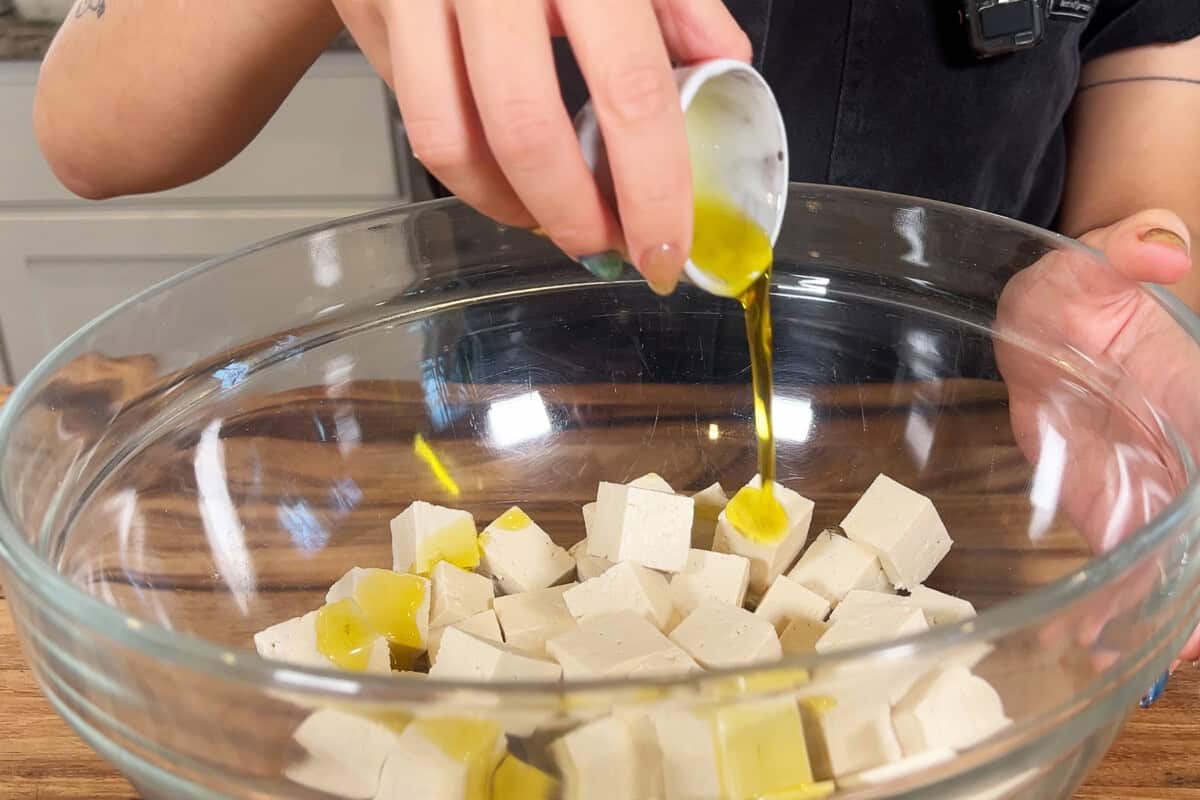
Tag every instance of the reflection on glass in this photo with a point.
(517, 419)
(222, 527)
(793, 418)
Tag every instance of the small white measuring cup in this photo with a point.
(738, 146)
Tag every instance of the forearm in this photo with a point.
(153, 94)
(1135, 143)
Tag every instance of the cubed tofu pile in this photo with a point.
(664, 585)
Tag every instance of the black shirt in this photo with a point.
(883, 94)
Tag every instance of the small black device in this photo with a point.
(997, 27)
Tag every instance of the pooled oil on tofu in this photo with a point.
(456, 543)
(761, 752)
(384, 604)
(470, 742)
(513, 520)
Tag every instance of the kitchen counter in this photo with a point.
(1155, 758)
(28, 41)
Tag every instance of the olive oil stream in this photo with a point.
(731, 248)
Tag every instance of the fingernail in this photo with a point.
(1165, 236)
(605, 266)
(661, 265)
(1156, 691)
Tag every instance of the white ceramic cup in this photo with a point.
(748, 165)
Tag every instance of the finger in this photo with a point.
(511, 68)
(699, 30)
(1149, 246)
(621, 53)
(439, 115)
(1191, 650)
(369, 30)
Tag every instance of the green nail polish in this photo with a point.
(605, 266)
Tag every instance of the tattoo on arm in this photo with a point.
(85, 7)
(1140, 79)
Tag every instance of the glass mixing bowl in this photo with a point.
(208, 458)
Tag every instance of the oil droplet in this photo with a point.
(344, 635)
(390, 602)
(757, 514)
(512, 520)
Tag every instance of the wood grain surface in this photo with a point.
(1156, 757)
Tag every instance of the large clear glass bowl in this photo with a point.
(206, 459)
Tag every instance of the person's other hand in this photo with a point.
(482, 107)
(1112, 478)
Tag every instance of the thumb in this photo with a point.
(1152, 246)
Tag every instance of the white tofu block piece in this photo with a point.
(520, 555)
(710, 502)
(948, 708)
(626, 586)
(293, 641)
(618, 645)
(896, 770)
(485, 625)
(345, 753)
(689, 755)
(941, 608)
(588, 566)
(801, 635)
(901, 527)
(443, 757)
(849, 733)
(865, 602)
(649, 527)
(652, 481)
(463, 656)
(719, 636)
(343, 587)
(424, 534)
(883, 625)
(530, 618)
(457, 594)
(787, 600)
(768, 560)
(710, 578)
(613, 757)
(762, 751)
(833, 566)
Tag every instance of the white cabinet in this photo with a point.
(330, 151)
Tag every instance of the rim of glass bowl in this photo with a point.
(46, 585)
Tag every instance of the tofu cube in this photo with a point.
(719, 636)
(295, 641)
(689, 755)
(864, 603)
(397, 604)
(345, 753)
(895, 770)
(652, 481)
(587, 566)
(762, 752)
(645, 526)
(768, 559)
(833, 566)
(531, 618)
(710, 578)
(444, 757)
(618, 645)
(463, 656)
(627, 586)
(424, 534)
(948, 708)
(883, 625)
(516, 780)
(457, 594)
(801, 636)
(613, 757)
(709, 503)
(787, 600)
(520, 555)
(849, 733)
(941, 608)
(901, 527)
(485, 625)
